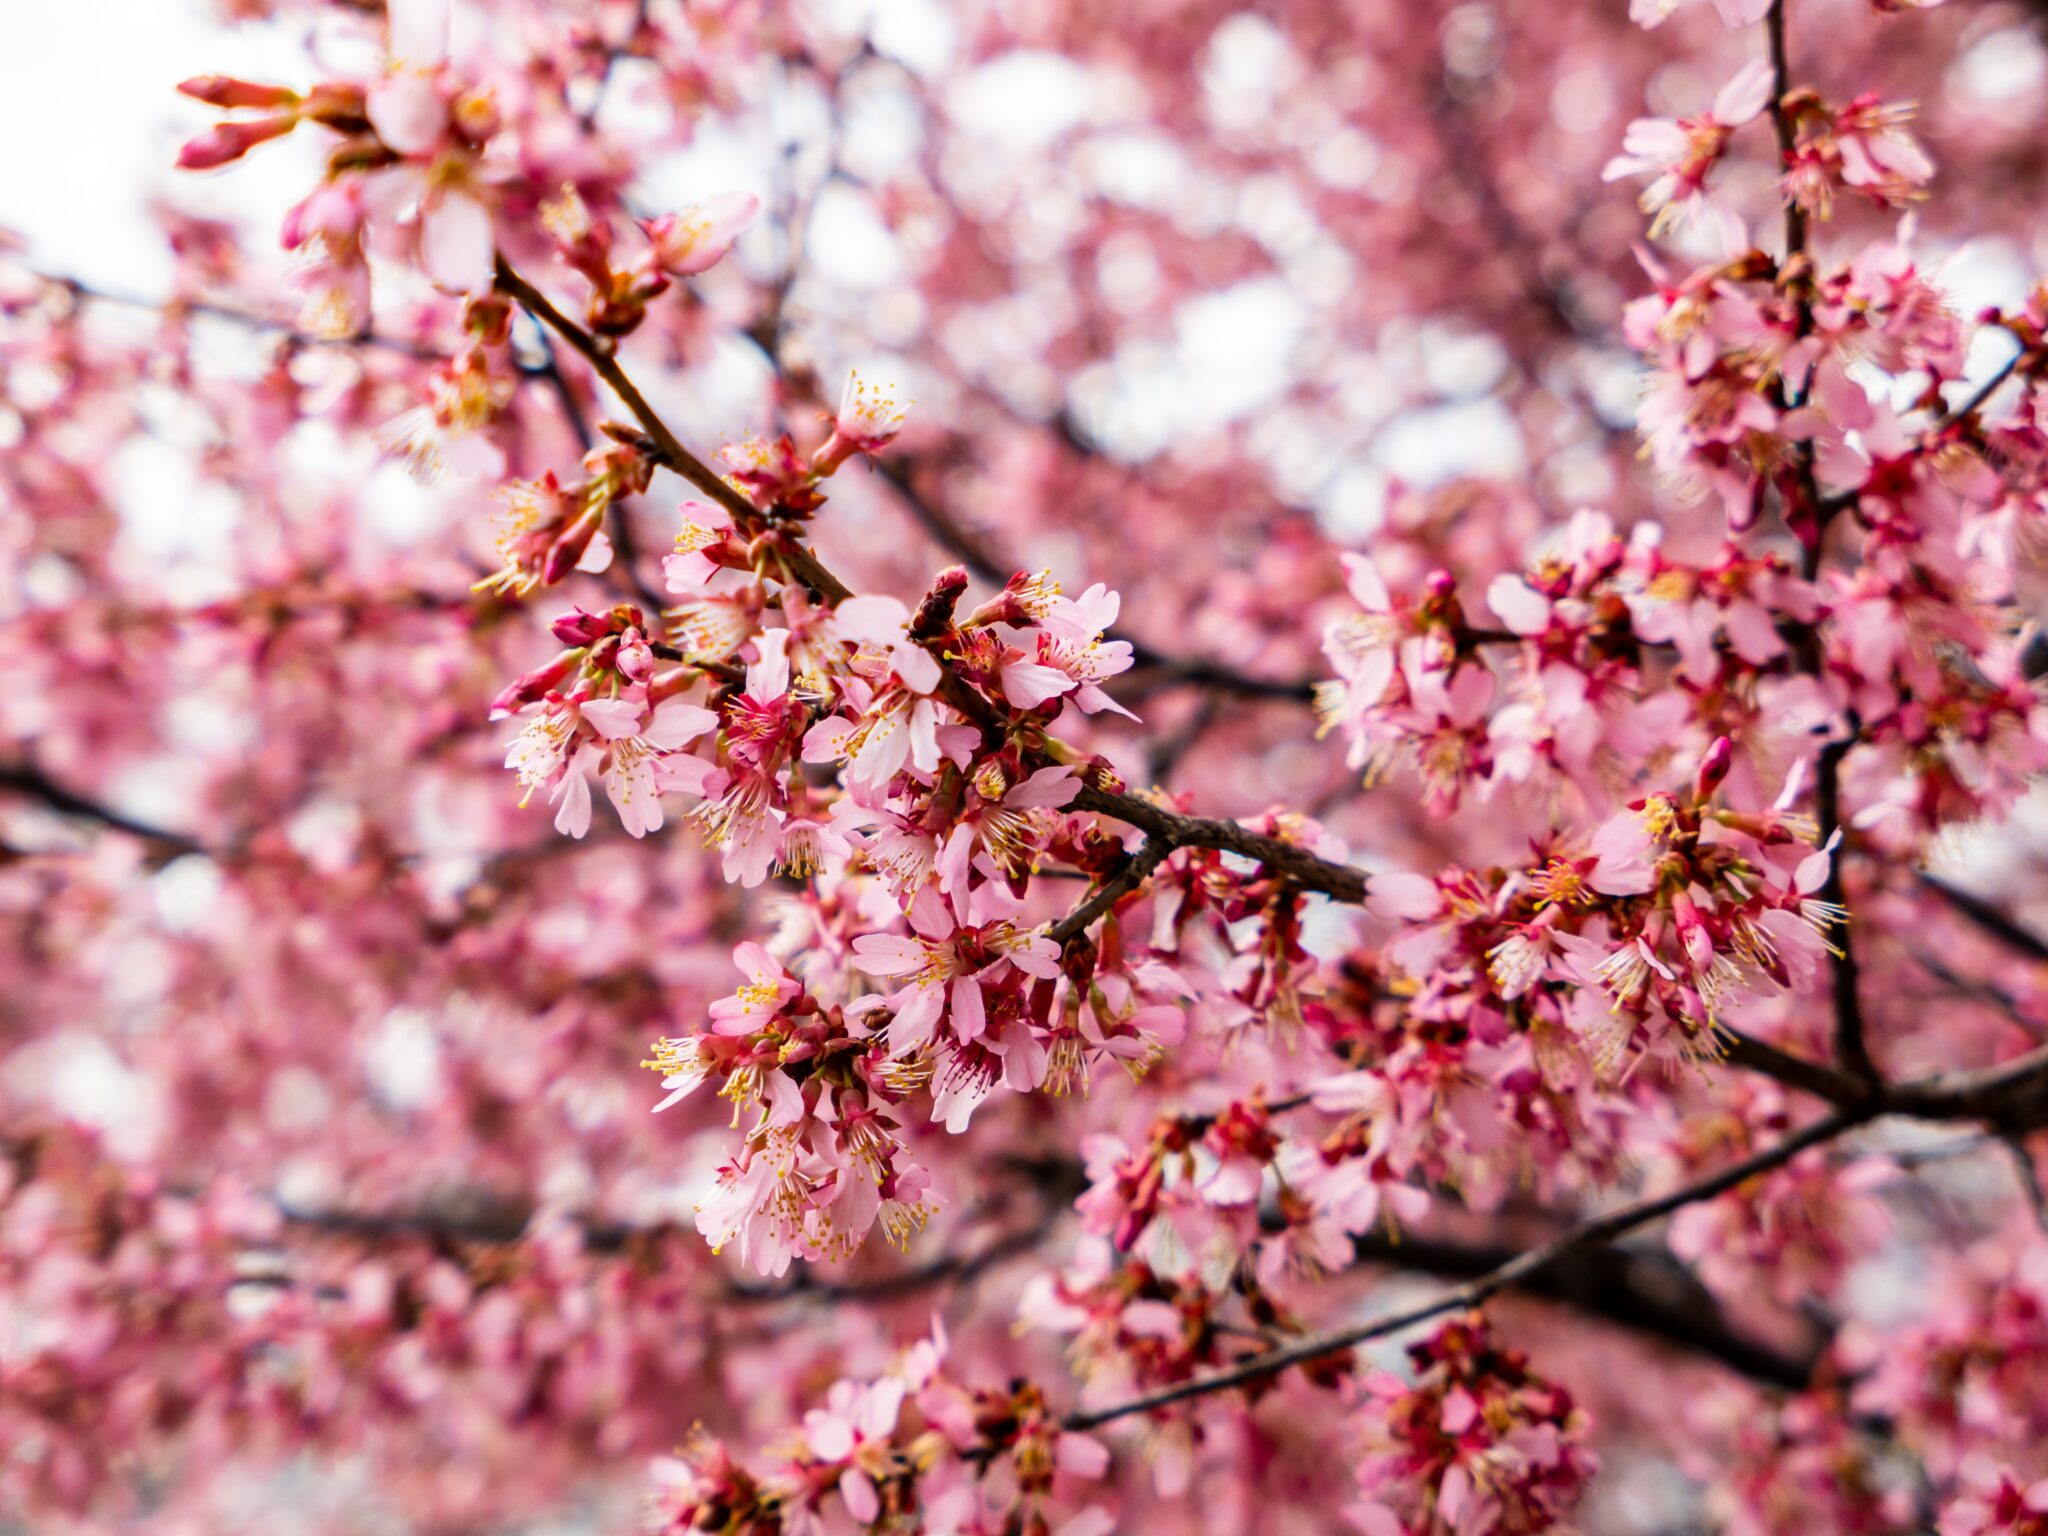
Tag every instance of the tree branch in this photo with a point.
(177, 307)
(1643, 1293)
(1992, 919)
(1524, 1266)
(27, 779)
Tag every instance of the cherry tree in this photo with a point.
(1039, 768)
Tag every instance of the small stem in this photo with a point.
(1134, 873)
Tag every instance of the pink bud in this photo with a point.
(227, 91)
(522, 691)
(636, 658)
(333, 211)
(567, 550)
(1714, 767)
(578, 627)
(225, 142)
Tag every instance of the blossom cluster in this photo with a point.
(1234, 1100)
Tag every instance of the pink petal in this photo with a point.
(456, 243)
(1028, 684)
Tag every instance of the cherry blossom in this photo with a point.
(1381, 868)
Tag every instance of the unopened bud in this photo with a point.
(567, 550)
(935, 611)
(227, 91)
(523, 691)
(225, 142)
(579, 627)
(1714, 767)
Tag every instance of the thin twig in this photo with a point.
(1852, 1051)
(1989, 917)
(2030, 1180)
(178, 306)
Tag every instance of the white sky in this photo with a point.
(89, 109)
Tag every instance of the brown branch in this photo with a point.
(1136, 870)
(1822, 1081)
(1642, 1293)
(1524, 1266)
(1989, 917)
(1852, 1050)
(1338, 880)
(27, 779)
(627, 562)
(1646, 1294)
(503, 1228)
(1341, 882)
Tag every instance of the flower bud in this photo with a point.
(580, 627)
(225, 142)
(1713, 768)
(523, 691)
(567, 551)
(935, 609)
(227, 91)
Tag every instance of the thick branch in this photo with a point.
(503, 1228)
(1817, 1078)
(1639, 1292)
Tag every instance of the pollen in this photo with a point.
(1559, 884)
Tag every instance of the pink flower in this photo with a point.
(896, 730)
(1000, 831)
(620, 738)
(706, 533)
(768, 986)
(947, 964)
(697, 238)
(1996, 1502)
(869, 419)
(1681, 153)
(885, 622)
(1071, 656)
(1648, 14)
(407, 107)
(685, 1064)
